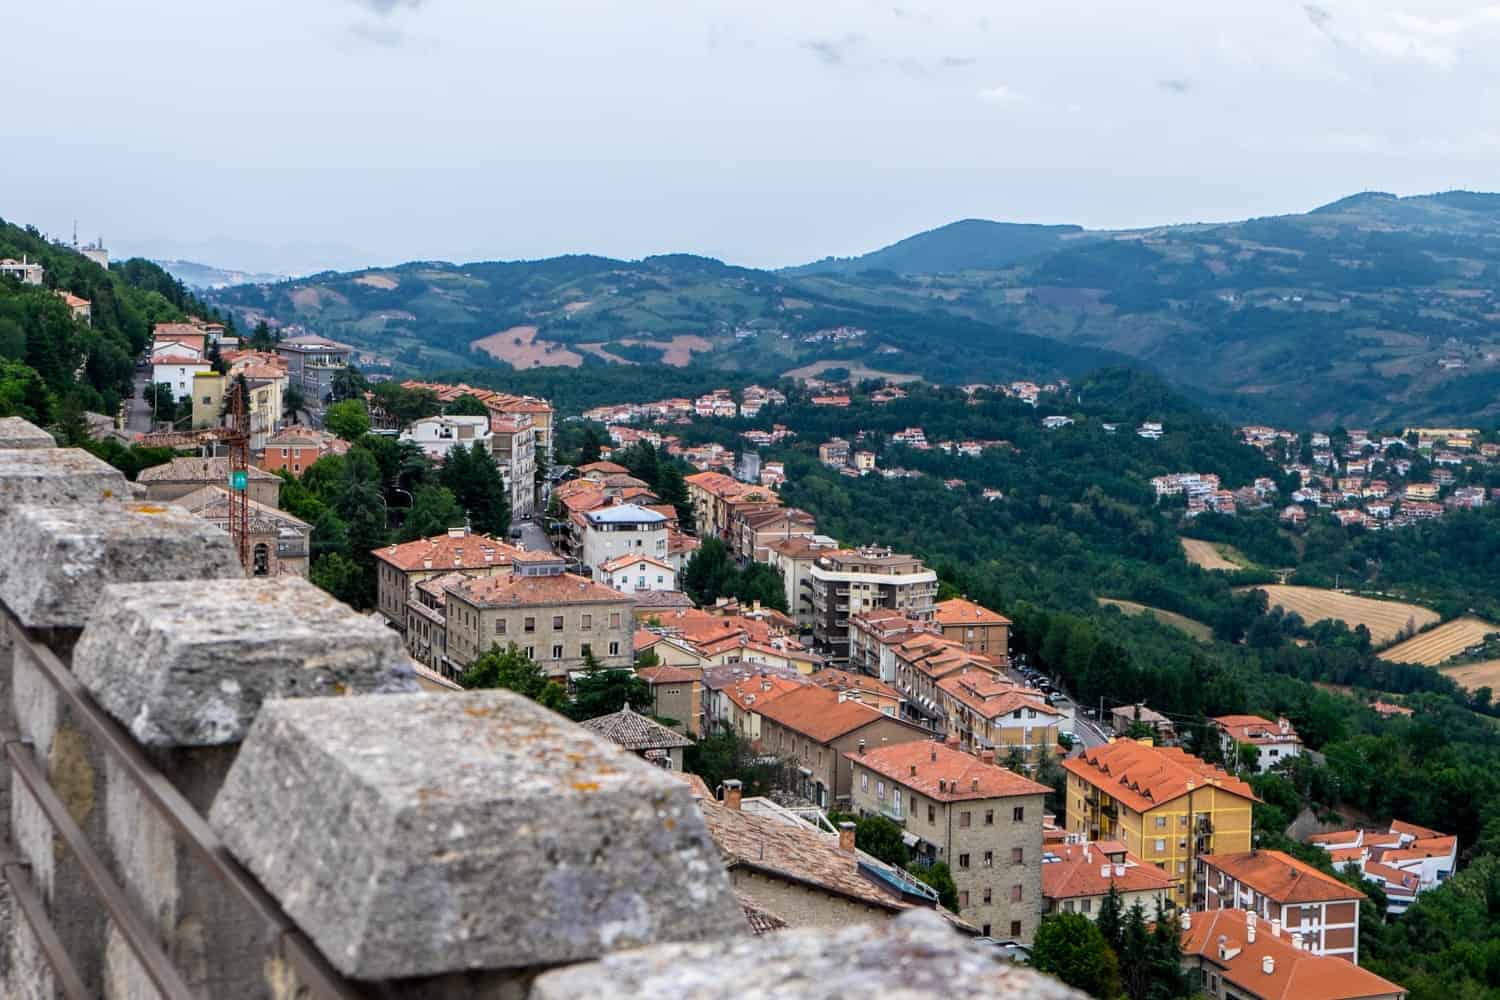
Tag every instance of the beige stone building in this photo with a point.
(983, 821)
(1299, 897)
(845, 582)
(676, 694)
(756, 529)
(553, 616)
(280, 544)
(182, 476)
(987, 711)
(1076, 877)
(976, 626)
(812, 729)
(400, 567)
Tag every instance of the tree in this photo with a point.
(467, 405)
(471, 475)
(347, 383)
(1071, 947)
(513, 670)
(348, 419)
(1112, 917)
(163, 406)
(1134, 953)
(593, 442)
(433, 511)
(877, 837)
(647, 658)
(940, 877)
(262, 338)
(339, 576)
(725, 754)
(600, 692)
(292, 400)
(672, 489)
(706, 575)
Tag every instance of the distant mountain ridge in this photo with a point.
(207, 276)
(1371, 308)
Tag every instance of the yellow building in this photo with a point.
(208, 399)
(1163, 804)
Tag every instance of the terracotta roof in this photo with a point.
(698, 785)
(991, 696)
(635, 732)
(844, 680)
(1393, 876)
(797, 852)
(666, 599)
(1143, 777)
(1254, 729)
(607, 468)
(963, 612)
(620, 562)
(448, 552)
(820, 715)
(668, 674)
(943, 773)
(198, 470)
(1295, 975)
(211, 502)
(510, 590)
(753, 693)
(437, 586)
(761, 921)
(1078, 873)
(178, 360)
(1430, 847)
(1281, 877)
(1419, 832)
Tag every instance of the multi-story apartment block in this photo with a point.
(976, 626)
(755, 529)
(922, 662)
(438, 435)
(553, 616)
(623, 529)
(312, 362)
(794, 558)
(296, 448)
(986, 711)
(834, 453)
(514, 445)
(717, 498)
(983, 821)
(845, 582)
(400, 567)
(1167, 806)
(1276, 741)
(1235, 955)
(1282, 890)
(874, 637)
(1404, 859)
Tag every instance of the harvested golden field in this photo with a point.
(1442, 643)
(677, 352)
(1472, 676)
(1182, 623)
(519, 346)
(1211, 555)
(1384, 619)
(384, 282)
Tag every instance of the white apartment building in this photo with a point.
(436, 436)
(624, 529)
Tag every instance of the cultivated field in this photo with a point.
(1442, 643)
(1182, 623)
(519, 346)
(858, 371)
(677, 352)
(1384, 619)
(1472, 676)
(1211, 555)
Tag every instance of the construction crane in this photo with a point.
(236, 435)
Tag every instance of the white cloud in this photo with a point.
(1003, 95)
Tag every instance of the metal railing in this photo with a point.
(291, 944)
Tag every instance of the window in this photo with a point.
(529, 625)
(586, 650)
(261, 560)
(557, 623)
(499, 626)
(989, 895)
(963, 861)
(864, 781)
(931, 814)
(985, 929)
(989, 859)
(963, 818)
(557, 652)
(1067, 906)
(880, 790)
(588, 621)
(963, 900)
(1015, 928)
(531, 652)
(614, 619)
(1016, 893)
(1017, 855)
(1018, 814)
(1161, 845)
(614, 649)
(1088, 906)
(989, 817)
(1161, 822)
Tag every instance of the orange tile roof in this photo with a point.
(1144, 777)
(959, 611)
(449, 551)
(1079, 873)
(1254, 729)
(540, 591)
(991, 696)
(1419, 832)
(1281, 877)
(608, 468)
(1430, 847)
(1295, 975)
(819, 714)
(668, 674)
(940, 772)
(844, 680)
(754, 693)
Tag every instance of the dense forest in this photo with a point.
(54, 366)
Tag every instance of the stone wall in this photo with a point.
(223, 787)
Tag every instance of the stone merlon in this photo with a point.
(532, 843)
(58, 476)
(189, 664)
(16, 433)
(917, 956)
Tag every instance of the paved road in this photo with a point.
(533, 538)
(138, 411)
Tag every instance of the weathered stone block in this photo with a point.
(917, 956)
(53, 476)
(18, 433)
(59, 558)
(188, 664)
(418, 836)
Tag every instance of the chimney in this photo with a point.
(988, 756)
(1268, 965)
(1185, 921)
(733, 789)
(861, 748)
(914, 770)
(1285, 725)
(1249, 932)
(1104, 871)
(934, 756)
(976, 784)
(1119, 871)
(1276, 927)
(457, 532)
(846, 837)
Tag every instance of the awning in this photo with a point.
(909, 839)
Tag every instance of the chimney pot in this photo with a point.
(861, 748)
(1104, 871)
(846, 837)
(1186, 920)
(1268, 965)
(733, 790)
(1276, 927)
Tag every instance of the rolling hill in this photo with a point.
(1372, 309)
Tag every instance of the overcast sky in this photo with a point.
(351, 132)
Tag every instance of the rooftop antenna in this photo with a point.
(75, 234)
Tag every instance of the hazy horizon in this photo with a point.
(288, 137)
